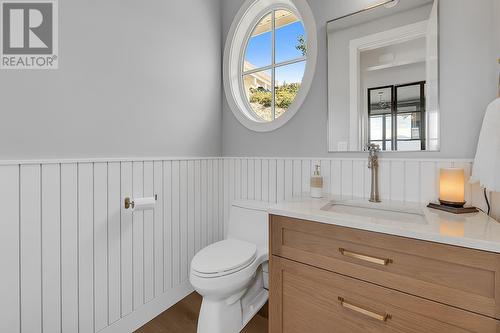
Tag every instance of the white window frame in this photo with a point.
(274, 65)
(234, 55)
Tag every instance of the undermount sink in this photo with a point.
(378, 211)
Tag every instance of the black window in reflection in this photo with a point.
(397, 116)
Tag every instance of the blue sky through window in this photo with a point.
(290, 73)
(287, 40)
(259, 52)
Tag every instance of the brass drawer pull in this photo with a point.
(359, 256)
(379, 317)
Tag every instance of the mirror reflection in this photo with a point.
(383, 78)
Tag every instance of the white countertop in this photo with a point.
(475, 231)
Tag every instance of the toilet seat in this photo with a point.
(223, 258)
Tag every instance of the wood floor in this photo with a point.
(183, 318)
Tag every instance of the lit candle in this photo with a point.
(452, 187)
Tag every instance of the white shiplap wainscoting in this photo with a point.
(74, 260)
(278, 179)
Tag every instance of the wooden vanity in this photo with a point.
(330, 278)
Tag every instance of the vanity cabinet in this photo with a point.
(326, 278)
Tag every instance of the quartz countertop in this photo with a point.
(475, 231)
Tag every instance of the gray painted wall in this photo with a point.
(469, 76)
(136, 78)
(496, 55)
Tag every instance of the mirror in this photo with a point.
(383, 85)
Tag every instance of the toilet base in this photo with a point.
(230, 315)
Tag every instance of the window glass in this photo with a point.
(409, 145)
(404, 126)
(258, 90)
(260, 73)
(380, 100)
(388, 127)
(376, 128)
(409, 98)
(260, 45)
(287, 85)
(397, 116)
(290, 36)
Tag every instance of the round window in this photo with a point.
(269, 62)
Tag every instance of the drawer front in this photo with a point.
(308, 299)
(467, 279)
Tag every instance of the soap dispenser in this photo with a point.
(317, 183)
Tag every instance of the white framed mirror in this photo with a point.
(383, 78)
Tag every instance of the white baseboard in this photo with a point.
(150, 310)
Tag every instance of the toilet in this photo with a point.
(232, 275)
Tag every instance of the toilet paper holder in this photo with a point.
(129, 203)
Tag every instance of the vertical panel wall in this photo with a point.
(278, 179)
(74, 260)
(10, 301)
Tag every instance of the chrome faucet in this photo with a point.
(373, 149)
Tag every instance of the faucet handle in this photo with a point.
(372, 147)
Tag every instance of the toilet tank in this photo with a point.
(248, 221)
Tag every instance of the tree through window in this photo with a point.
(274, 64)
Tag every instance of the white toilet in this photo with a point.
(232, 275)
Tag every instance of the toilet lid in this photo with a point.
(224, 256)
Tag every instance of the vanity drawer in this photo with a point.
(308, 299)
(465, 278)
